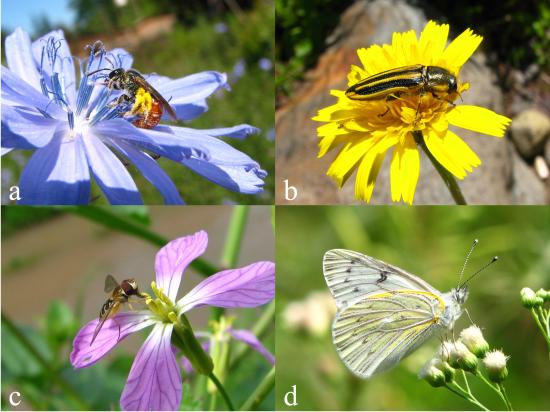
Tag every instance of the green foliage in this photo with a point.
(301, 29)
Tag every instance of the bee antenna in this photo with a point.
(493, 260)
(95, 71)
(474, 244)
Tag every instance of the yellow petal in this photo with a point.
(478, 119)
(452, 152)
(432, 42)
(460, 49)
(405, 169)
(345, 161)
(369, 168)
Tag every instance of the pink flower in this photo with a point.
(154, 382)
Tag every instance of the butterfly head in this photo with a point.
(460, 294)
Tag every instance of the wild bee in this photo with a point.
(120, 294)
(147, 103)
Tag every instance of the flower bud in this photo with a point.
(529, 299)
(459, 357)
(432, 374)
(495, 363)
(543, 294)
(474, 341)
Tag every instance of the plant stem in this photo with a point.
(232, 247)
(56, 376)
(222, 391)
(466, 395)
(113, 221)
(508, 404)
(261, 391)
(447, 177)
(542, 327)
(495, 388)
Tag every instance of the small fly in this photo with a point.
(120, 294)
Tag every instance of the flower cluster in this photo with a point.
(464, 355)
(535, 302)
(365, 130)
(155, 381)
(78, 129)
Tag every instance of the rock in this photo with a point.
(547, 151)
(527, 188)
(541, 167)
(529, 131)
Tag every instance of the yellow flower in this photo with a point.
(364, 132)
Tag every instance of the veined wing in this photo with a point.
(351, 275)
(139, 79)
(378, 331)
(110, 284)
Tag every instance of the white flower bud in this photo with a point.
(495, 363)
(458, 356)
(474, 341)
(543, 294)
(432, 374)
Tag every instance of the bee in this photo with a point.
(147, 103)
(416, 79)
(120, 294)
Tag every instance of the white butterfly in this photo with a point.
(384, 313)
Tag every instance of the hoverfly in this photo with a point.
(120, 293)
(151, 104)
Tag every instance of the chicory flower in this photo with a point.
(154, 382)
(78, 130)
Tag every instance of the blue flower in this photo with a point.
(78, 131)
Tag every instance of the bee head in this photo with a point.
(116, 73)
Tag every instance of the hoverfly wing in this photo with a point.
(110, 284)
(139, 79)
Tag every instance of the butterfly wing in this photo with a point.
(377, 331)
(351, 275)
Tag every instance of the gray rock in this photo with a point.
(529, 131)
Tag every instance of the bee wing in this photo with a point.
(110, 284)
(143, 83)
(376, 332)
(351, 276)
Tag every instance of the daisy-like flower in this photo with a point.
(365, 130)
(78, 130)
(154, 382)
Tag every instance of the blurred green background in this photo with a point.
(431, 242)
(54, 263)
(175, 39)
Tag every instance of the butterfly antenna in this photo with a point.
(474, 244)
(493, 260)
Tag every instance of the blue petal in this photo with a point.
(161, 140)
(27, 130)
(63, 64)
(56, 174)
(189, 111)
(20, 59)
(110, 174)
(16, 92)
(190, 89)
(151, 171)
(225, 166)
(240, 131)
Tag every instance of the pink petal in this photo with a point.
(154, 383)
(247, 287)
(113, 331)
(173, 258)
(251, 340)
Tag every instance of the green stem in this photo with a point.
(56, 376)
(222, 391)
(234, 236)
(447, 177)
(541, 327)
(261, 391)
(114, 221)
(466, 395)
(259, 329)
(466, 382)
(503, 390)
(493, 387)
